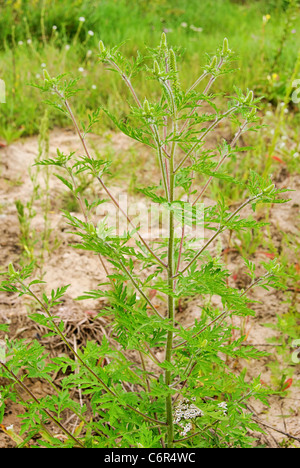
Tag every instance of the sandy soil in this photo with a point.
(84, 272)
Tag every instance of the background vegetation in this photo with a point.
(35, 34)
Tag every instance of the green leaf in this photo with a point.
(64, 181)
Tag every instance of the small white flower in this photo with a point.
(89, 53)
(94, 86)
(81, 69)
(184, 24)
(38, 76)
(43, 65)
(81, 19)
(10, 428)
(186, 410)
(194, 28)
(223, 406)
(29, 41)
(54, 27)
(90, 33)
(68, 47)
(296, 155)
(20, 42)
(186, 429)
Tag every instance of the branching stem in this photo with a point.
(200, 140)
(48, 414)
(100, 180)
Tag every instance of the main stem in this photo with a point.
(171, 302)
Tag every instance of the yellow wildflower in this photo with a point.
(266, 18)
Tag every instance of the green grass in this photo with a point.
(137, 23)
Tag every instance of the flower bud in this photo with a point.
(47, 77)
(276, 268)
(146, 107)
(249, 97)
(172, 60)
(252, 113)
(225, 49)
(156, 68)
(213, 63)
(163, 43)
(269, 189)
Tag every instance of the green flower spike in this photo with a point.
(225, 49)
(47, 77)
(163, 43)
(146, 107)
(213, 63)
(172, 60)
(156, 68)
(101, 47)
(249, 97)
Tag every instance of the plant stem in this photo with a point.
(197, 433)
(220, 229)
(70, 112)
(171, 302)
(160, 160)
(127, 81)
(209, 129)
(86, 216)
(208, 86)
(225, 312)
(135, 284)
(231, 145)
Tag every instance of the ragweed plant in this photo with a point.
(158, 382)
